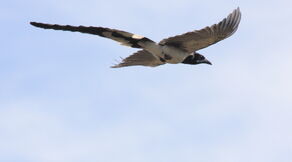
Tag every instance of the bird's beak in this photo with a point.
(206, 62)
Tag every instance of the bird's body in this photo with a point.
(167, 54)
(173, 50)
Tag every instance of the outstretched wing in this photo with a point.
(198, 39)
(142, 57)
(125, 38)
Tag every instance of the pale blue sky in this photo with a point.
(60, 101)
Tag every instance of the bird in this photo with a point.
(173, 50)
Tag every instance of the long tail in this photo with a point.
(125, 38)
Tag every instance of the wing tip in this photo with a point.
(235, 17)
(237, 11)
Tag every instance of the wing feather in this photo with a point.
(142, 57)
(199, 39)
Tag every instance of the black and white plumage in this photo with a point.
(177, 49)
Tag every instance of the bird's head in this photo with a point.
(196, 58)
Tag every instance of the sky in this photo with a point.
(60, 101)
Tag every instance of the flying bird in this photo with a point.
(178, 49)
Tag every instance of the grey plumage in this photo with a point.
(141, 57)
(199, 39)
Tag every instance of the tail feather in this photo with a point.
(125, 38)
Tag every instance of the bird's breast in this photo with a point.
(173, 55)
(167, 54)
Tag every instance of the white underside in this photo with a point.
(177, 55)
